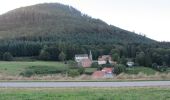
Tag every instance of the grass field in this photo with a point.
(144, 70)
(46, 70)
(14, 67)
(85, 93)
(89, 71)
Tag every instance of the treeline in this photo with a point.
(151, 55)
(140, 53)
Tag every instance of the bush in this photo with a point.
(162, 68)
(73, 73)
(27, 73)
(7, 56)
(81, 70)
(100, 67)
(119, 69)
(108, 64)
(44, 55)
(159, 68)
(41, 70)
(94, 65)
(72, 64)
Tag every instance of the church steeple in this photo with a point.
(90, 56)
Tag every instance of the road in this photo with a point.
(83, 84)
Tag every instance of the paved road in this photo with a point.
(83, 84)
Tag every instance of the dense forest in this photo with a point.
(47, 31)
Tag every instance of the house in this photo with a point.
(104, 73)
(104, 58)
(86, 63)
(80, 57)
(108, 72)
(84, 60)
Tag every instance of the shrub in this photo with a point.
(162, 68)
(41, 70)
(72, 64)
(27, 73)
(94, 65)
(73, 73)
(108, 64)
(44, 55)
(119, 69)
(7, 56)
(81, 70)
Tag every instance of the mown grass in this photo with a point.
(16, 67)
(146, 93)
(137, 70)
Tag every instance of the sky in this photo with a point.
(149, 17)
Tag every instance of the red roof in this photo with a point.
(104, 58)
(107, 70)
(98, 74)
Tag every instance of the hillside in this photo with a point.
(52, 31)
(57, 22)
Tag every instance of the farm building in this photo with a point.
(104, 73)
(104, 58)
(80, 57)
(84, 60)
(86, 63)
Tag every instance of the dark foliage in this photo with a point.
(73, 73)
(119, 69)
(41, 70)
(7, 56)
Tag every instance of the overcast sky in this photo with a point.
(149, 17)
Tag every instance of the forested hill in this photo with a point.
(61, 23)
(52, 31)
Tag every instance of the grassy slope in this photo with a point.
(137, 70)
(14, 68)
(85, 94)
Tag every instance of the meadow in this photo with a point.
(137, 70)
(140, 93)
(16, 67)
(51, 70)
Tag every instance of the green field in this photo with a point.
(85, 93)
(137, 70)
(14, 67)
(89, 71)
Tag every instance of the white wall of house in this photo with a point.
(101, 62)
(104, 62)
(79, 59)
